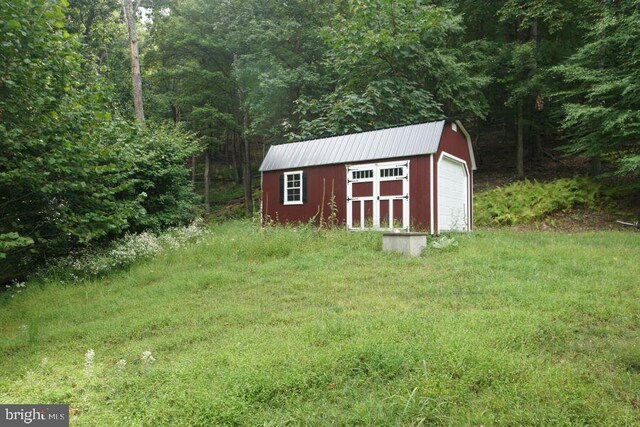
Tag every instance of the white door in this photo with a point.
(378, 196)
(453, 205)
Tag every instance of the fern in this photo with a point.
(530, 201)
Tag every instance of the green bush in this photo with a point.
(527, 201)
(71, 172)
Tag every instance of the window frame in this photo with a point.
(300, 187)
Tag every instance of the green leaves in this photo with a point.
(601, 102)
(71, 171)
(394, 63)
(11, 242)
(525, 202)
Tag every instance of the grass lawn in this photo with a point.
(295, 327)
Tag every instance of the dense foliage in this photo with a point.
(527, 201)
(393, 63)
(271, 71)
(602, 102)
(71, 171)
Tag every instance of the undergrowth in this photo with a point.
(527, 201)
(98, 261)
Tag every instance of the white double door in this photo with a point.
(378, 196)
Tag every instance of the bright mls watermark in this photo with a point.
(34, 415)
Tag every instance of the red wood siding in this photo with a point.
(362, 189)
(390, 188)
(275, 211)
(316, 177)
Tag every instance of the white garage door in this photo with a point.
(452, 195)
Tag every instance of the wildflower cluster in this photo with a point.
(147, 358)
(124, 252)
(15, 288)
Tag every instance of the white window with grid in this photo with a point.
(293, 188)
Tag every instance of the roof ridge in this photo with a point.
(362, 132)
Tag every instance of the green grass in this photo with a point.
(295, 327)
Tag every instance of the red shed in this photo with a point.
(417, 177)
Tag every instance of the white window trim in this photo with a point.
(286, 189)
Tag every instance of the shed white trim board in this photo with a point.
(432, 220)
(469, 144)
(453, 194)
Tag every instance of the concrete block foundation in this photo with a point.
(408, 244)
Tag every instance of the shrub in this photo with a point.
(71, 172)
(530, 201)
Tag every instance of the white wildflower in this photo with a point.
(125, 251)
(121, 364)
(147, 358)
(88, 362)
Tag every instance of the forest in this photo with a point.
(222, 80)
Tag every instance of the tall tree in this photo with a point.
(519, 41)
(394, 62)
(234, 69)
(601, 90)
(136, 77)
(98, 26)
(71, 171)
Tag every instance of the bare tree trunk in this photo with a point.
(207, 182)
(246, 172)
(520, 142)
(537, 125)
(130, 20)
(226, 146)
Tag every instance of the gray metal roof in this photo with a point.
(412, 140)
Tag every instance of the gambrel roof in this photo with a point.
(403, 141)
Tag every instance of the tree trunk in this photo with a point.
(537, 125)
(207, 181)
(520, 142)
(246, 173)
(130, 20)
